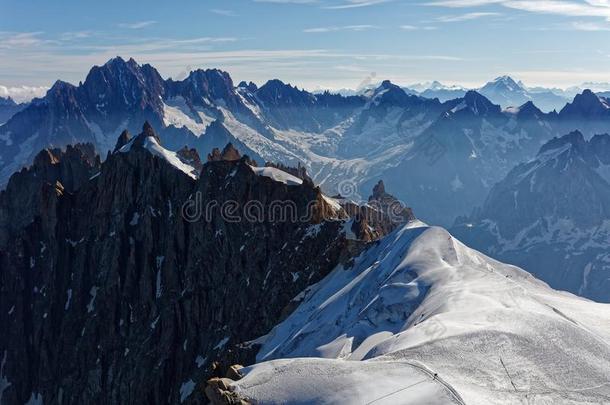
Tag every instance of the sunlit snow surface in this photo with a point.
(277, 175)
(421, 303)
(177, 113)
(172, 158)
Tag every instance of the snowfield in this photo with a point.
(277, 175)
(422, 319)
(170, 157)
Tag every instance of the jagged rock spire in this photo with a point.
(124, 138)
(229, 153)
(147, 131)
(378, 190)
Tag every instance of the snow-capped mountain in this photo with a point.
(424, 148)
(508, 93)
(503, 91)
(551, 216)
(421, 318)
(438, 90)
(465, 151)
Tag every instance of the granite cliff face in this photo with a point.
(112, 289)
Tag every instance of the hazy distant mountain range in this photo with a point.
(503, 91)
(441, 156)
(551, 216)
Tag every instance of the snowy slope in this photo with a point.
(491, 332)
(153, 146)
(177, 113)
(277, 175)
(327, 381)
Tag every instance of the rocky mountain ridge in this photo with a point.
(138, 278)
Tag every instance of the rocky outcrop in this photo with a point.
(130, 281)
(379, 216)
(191, 157)
(123, 140)
(228, 153)
(34, 191)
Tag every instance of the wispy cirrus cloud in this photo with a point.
(343, 28)
(330, 5)
(137, 25)
(287, 1)
(570, 8)
(465, 17)
(408, 27)
(223, 12)
(356, 4)
(75, 35)
(9, 40)
(589, 26)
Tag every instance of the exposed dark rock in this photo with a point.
(191, 157)
(112, 290)
(381, 215)
(228, 153)
(123, 140)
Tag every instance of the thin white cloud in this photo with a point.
(408, 27)
(287, 1)
(22, 93)
(587, 8)
(75, 35)
(137, 25)
(589, 26)
(356, 4)
(356, 28)
(12, 40)
(223, 12)
(464, 17)
(463, 3)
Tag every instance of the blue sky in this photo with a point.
(312, 43)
